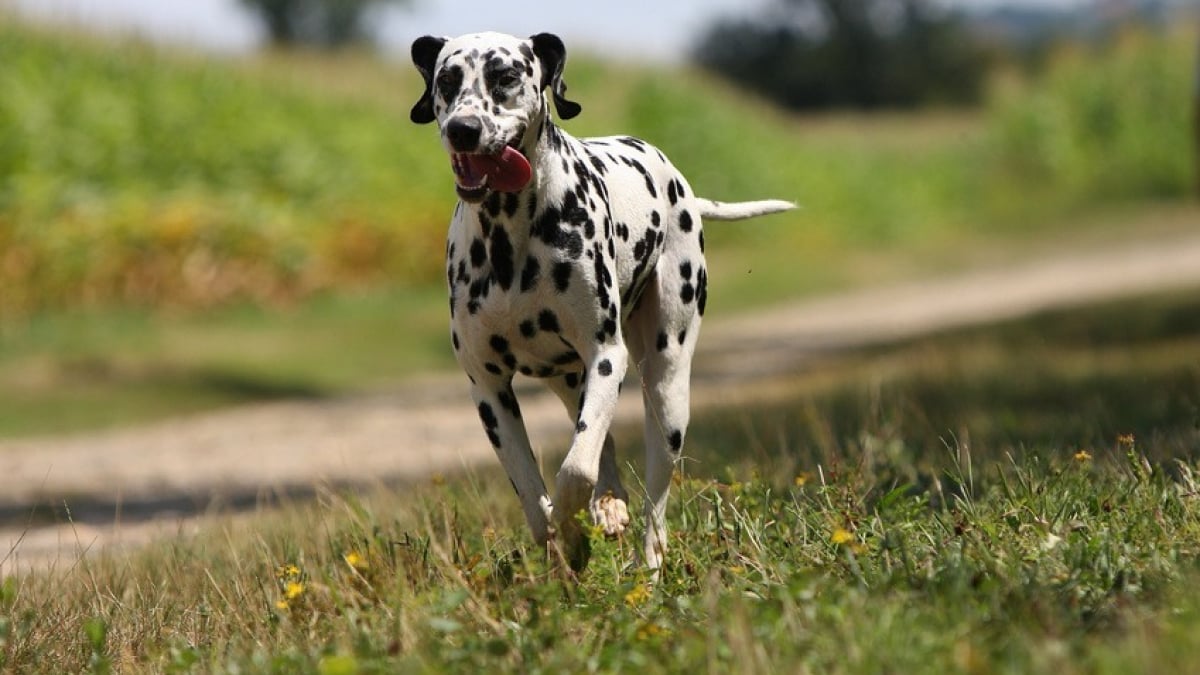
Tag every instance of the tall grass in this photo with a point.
(1036, 566)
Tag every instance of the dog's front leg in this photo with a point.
(501, 417)
(576, 482)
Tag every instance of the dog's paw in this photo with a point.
(610, 513)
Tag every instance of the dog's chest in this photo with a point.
(519, 304)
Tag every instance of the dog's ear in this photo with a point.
(425, 52)
(553, 56)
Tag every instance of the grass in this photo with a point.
(1019, 499)
(87, 370)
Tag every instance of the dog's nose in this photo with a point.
(463, 133)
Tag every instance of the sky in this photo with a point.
(659, 30)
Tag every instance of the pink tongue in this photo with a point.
(507, 172)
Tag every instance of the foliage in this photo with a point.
(1111, 119)
(323, 23)
(140, 178)
(814, 54)
(133, 177)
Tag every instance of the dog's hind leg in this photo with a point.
(662, 339)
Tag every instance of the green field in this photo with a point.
(170, 223)
(1017, 499)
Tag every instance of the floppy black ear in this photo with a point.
(425, 52)
(553, 55)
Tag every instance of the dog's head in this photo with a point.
(485, 92)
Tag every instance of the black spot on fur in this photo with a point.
(549, 228)
(478, 253)
(548, 321)
(509, 403)
(687, 293)
(493, 203)
(562, 276)
(676, 440)
(685, 270)
(662, 341)
(604, 368)
(492, 368)
(682, 336)
(685, 221)
(530, 273)
(501, 252)
(565, 358)
(528, 329)
(571, 380)
(499, 344)
(487, 416)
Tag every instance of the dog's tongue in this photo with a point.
(507, 172)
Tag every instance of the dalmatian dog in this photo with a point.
(566, 259)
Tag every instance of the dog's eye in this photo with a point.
(507, 78)
(448, 83)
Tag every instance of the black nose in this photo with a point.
(463, 133)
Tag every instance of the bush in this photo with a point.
(1104, 123)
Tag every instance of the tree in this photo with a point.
(323, 23)
(858, 53)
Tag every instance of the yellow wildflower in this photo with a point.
(800, 480)
(282, 605)
(288, 571)
(841, 536)
(637, 596)
(1125, 439)
(648, 630)
(293, 590)
(355, 560)
(1083, 456)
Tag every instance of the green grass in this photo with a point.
(87, 370)
(911, 509)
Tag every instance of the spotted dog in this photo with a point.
(566, 258)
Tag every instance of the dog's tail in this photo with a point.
(714, 210)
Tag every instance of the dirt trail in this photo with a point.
(127, 486)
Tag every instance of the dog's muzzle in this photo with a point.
(476, 173)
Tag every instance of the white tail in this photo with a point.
(714, 210)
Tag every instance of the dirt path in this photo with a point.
(124, 487)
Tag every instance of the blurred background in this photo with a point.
(212, 202)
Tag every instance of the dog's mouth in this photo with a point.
(476, 173)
